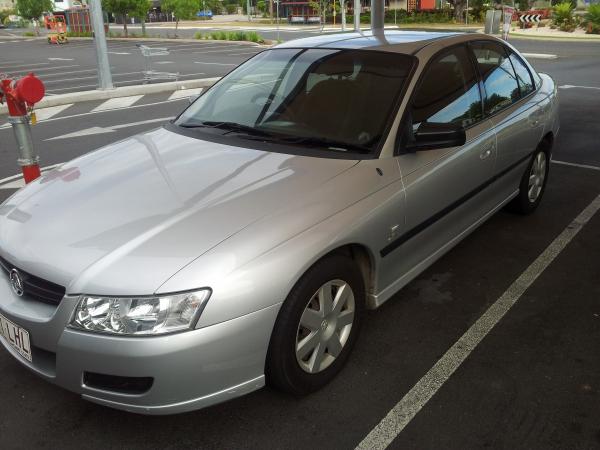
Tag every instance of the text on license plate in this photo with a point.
(17, 337)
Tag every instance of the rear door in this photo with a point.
(510, 103)
(444, 187)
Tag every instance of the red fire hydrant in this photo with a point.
(20, 96)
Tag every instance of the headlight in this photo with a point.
(140, 315)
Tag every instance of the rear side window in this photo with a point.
(499, 78)
(448, 92)
(523, 75)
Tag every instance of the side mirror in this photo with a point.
(431, 136)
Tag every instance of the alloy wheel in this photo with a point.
(537, 175)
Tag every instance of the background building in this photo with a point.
(7, 4)
(61, 5)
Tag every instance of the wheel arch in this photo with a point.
(362, 256)
(547, 142)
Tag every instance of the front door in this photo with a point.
(445, 187)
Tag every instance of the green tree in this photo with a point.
(33, 9)
(133, 8)
(183, 9)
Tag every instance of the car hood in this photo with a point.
(123, 219)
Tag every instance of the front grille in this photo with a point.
(34, 287)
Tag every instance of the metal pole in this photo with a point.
(343, 6)
(467, 14)
(104, 75)
(357, 11)
(28, 160)
(277, 2)
(377, 14)
(248, 10)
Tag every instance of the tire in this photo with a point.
(291, 365)
(533, 183)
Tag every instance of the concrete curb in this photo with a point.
(267, 42)
(124, 91)
(547, 37)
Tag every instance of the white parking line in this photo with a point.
(51, 111)
(241, 54)
(20, 66)
(43, 69)
(121, 83)
(7, 126)
(406, 409)
(185, 93)
(16, 181)
(119, 53)
(570, 86)
(540, 55)
(214, 51)
(215, 64)
(119, 102)
(62, 80)
(60, 74)
(581, 166)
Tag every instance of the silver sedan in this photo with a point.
(239, 244)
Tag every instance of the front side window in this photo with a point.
(523, 75)
(340, 100)
(448, 92)
(499, 78)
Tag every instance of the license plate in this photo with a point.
(17, 337)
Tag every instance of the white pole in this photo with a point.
(343, 6)
(357, 11)
(377, 14)
(104, 75)
(277, 3)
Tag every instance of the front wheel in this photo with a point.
(317, 327)
(533, 184)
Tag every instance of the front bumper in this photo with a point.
(190, 370)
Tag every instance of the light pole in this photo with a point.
(277, 3)
(357, 11)
(104, 75)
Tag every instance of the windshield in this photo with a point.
(338, 100)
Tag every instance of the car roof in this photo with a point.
(407, 42)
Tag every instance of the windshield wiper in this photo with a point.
(227, 126)
(330, 144)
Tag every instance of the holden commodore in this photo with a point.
(239, 244)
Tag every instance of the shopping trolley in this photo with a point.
(149, 73)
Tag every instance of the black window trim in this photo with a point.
(508, 51)
(398, 150)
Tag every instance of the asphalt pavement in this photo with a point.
(72, 67)
(532, 383)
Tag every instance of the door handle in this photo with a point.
(534, 120)
(486, 152)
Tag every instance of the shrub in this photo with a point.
(79, 34)
(562, 16)
(592, 18)
(29, 34)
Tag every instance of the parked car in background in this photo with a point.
(207, 14)
(240, 244)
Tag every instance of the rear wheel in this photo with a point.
(533, 184)
(317, 327)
